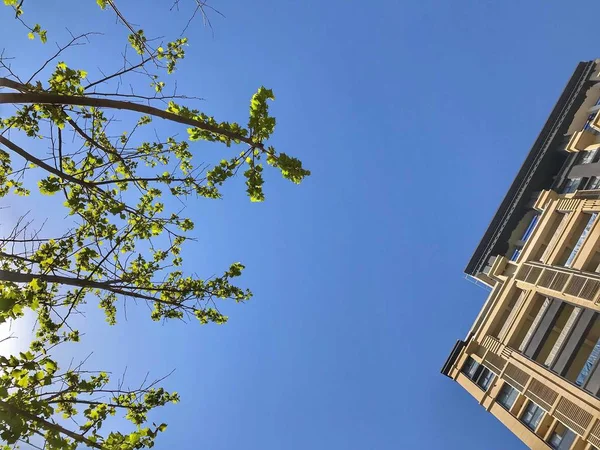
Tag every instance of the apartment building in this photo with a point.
(532, 356)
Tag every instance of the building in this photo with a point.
(532, 356)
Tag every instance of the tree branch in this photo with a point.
(29, 157)
(121, 72)
(91, 140)
(49, 426)
(57, 99)
(20, 277)
(60, 50)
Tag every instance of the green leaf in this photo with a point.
(23, 381)
(50, 185)
(8, 298)
(36, 285)
(50, 366)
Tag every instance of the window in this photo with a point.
(485, 378)
(571, 185)
(561, 438)
(516, 254)
(530, 227)
(507, 396)
(587, 125)
(587, 157)
(532, 415)
(589, 364)
(470, 368)
(480, 375)
(581, 239)
(593, 184)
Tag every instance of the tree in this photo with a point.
(37, 400)
(124, 241)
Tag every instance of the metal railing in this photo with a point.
(574, 283)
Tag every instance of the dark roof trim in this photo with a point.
(453, 357)
(549, 132)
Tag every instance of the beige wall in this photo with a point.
(511, 309)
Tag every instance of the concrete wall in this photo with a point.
(514, 311)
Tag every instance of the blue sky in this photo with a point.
(414, 118)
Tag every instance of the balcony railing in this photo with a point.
(492, 344)
(568, 282)
(547, 394)
(568, 204)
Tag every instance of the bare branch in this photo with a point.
(60, 50)
(29, 157)
(118, 74)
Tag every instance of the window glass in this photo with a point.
(589, 364)
(485, 379)
(532, 415)
(530, 228)
(594, 183)
(516, 254)
(480, 375)
(507, 396)
(571, 185)
(587, 156)
(581, 239)
(555, 440)
(470, 368)
(561, 438)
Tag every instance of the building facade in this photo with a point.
(532, 356)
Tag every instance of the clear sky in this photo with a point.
(413, 116)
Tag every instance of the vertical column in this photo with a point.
(586, 252)
(534, 325)
(540, 233)
(566, 229)
(522, 311)
(566, 217)
(497, 299)
(543, 329)
(571, 321)
(590, 223)
(511, 317)
(574, 341)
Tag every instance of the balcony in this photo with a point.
(586, 139)
(574, 285)
(582, 140)
(535, 383)
(595, 121)
(590, 199)
(544, 199)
